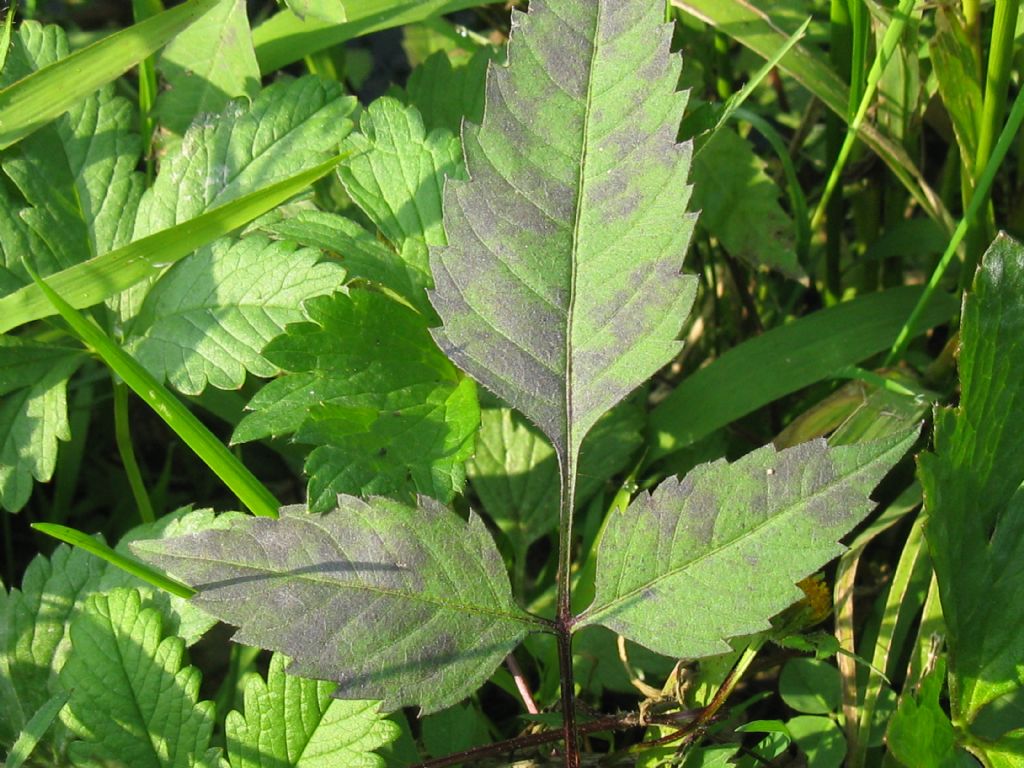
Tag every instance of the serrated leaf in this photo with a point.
(362, 255)
(293, 722)
(207, 65)
(716, 554)
(397, 172)
(35, 621)
(729, 177)
(289, 126)
(410, 605)
(973, 497)
(33, 414)
(367, 385)
(919, 733)
(445, 94)
(561, 289)
(132, 701)
(78, 174)
(210, 315)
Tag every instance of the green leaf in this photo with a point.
(919, 733)
(786, 359)
(104, 277)
(291, 721)
(36, 99)
(728, 177)
(34, 730)
(330, 11)
(561, 289)
(363, 255)
(408, 605)
(132, 701)
(209, 316)
(33, 630)
(820, 739)
(33, 414)
(204, 67)
(445, 93)
(973, 497)
(810, 685)
(78, 174)
(716, 554)
(367, 386)
(290, 125)
(397, 172)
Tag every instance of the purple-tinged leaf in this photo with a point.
(560, 289)
(410, 605)
(718, 553)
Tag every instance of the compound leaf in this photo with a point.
(397, 172)
(973, 497)
(210, 314)
(716, 554)
(293, 722)
(132, 702)
(367, 385)
(560, 289)
(33, 414)
(289, 126)
(33, 629)
(206, 66)
(410, 605)
(78, 173)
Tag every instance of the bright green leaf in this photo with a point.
(561, 289)
(397, 172)
(728, 177)
(292, 722)
(205, 66)
(290, 125)
(362, 254)
(973, 497)
(410, 605)
(209, 316)
(810, 685)
(367, 385)
(33, 628)
(33, 414)
(718, 553)
(35, 729)
(132, 701)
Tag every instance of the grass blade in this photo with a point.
(105, 276)
(35, 100)
(127, 564)
(285, 38)
(253, 494)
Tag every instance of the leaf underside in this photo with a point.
(716, 554)
(410, 605)
(560, 289)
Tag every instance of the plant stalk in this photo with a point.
(123, 437)
(563, 616)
